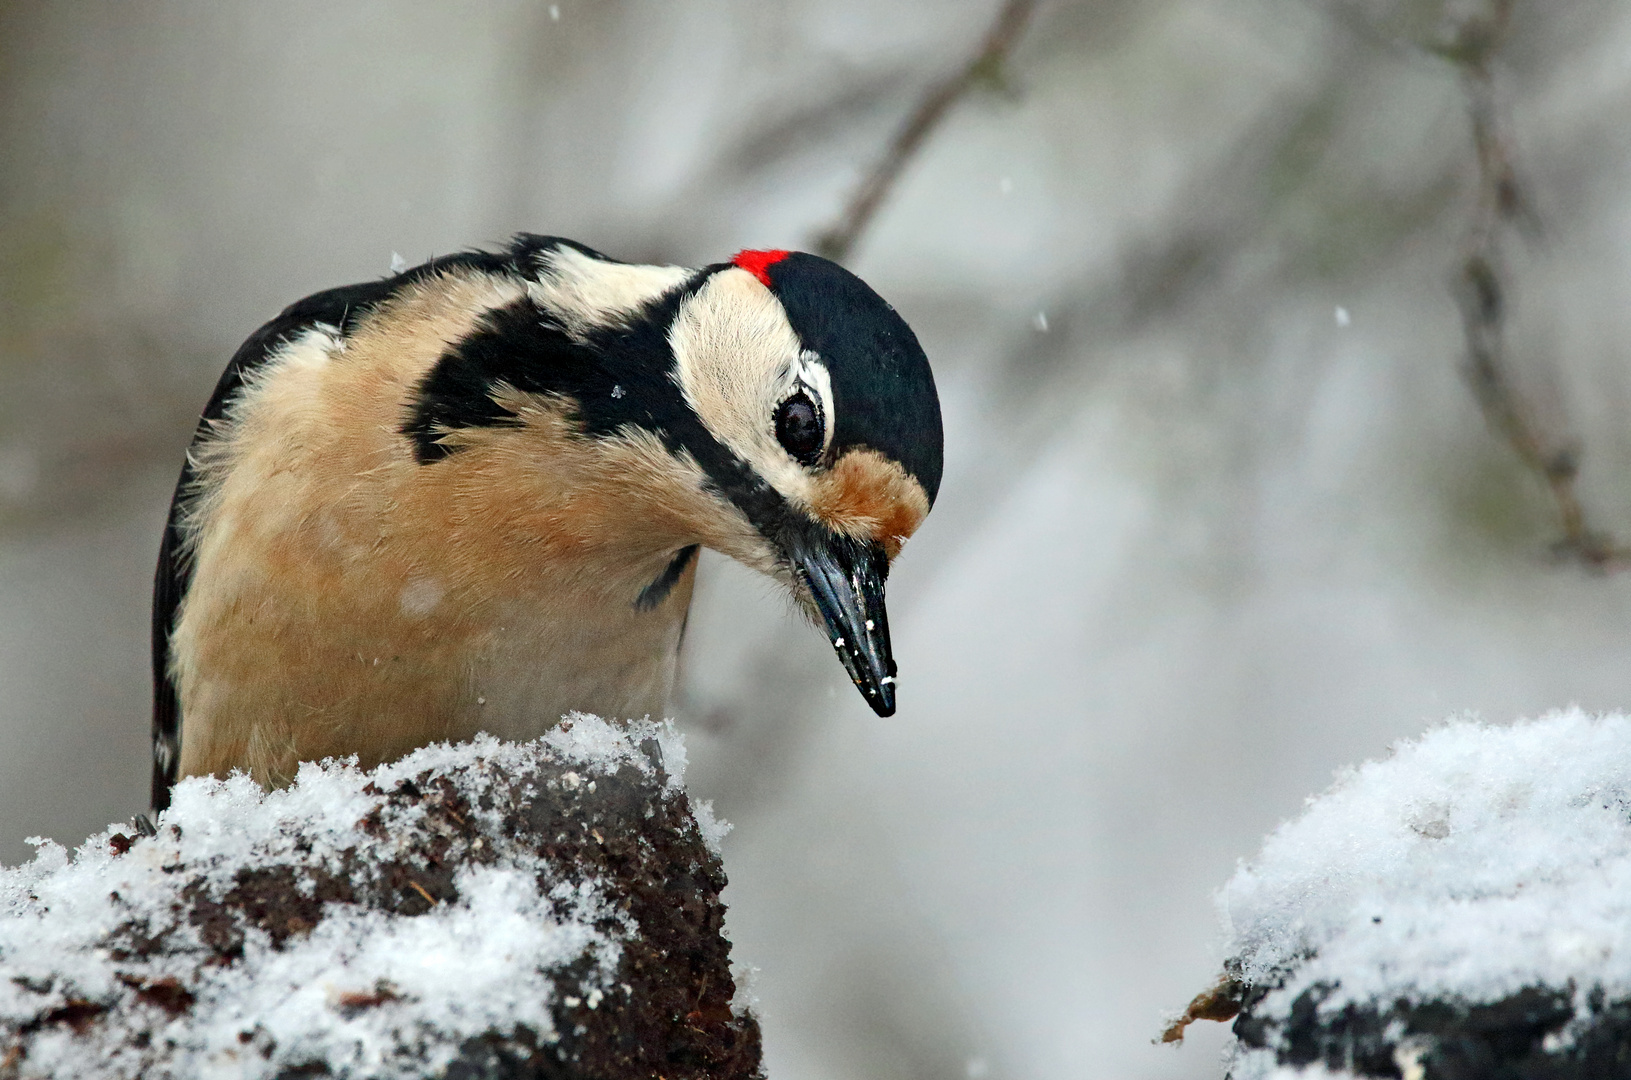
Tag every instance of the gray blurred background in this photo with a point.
(1203, 537)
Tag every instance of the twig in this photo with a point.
(1220, 1002)
(836, 241)
(1481, 292)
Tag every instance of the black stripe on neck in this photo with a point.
(655, 593)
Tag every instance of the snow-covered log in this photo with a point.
(1461, 909)
(549, 909)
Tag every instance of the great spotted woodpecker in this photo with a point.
(470, 497)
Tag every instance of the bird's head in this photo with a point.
(825, 403)
(793, 410)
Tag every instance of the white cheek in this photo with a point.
(737, 359)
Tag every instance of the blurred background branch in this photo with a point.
(986, 66)
(1483, 292)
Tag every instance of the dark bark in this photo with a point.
(666, 1009)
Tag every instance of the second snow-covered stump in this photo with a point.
(1459, 911)
(548, 909)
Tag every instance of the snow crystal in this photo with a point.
(713, 829)
(398, 263)
(1472, 863)
(368, 992)
(746, 998)
(1260, 1065)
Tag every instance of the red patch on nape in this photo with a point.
(758, 263)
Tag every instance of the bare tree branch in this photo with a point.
(836, 241)
(1481, 291)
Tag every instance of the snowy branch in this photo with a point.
(488, 909)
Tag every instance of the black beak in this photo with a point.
(845, 577)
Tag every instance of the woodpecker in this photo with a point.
(470, 497)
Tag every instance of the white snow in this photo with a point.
(1472, 862)
(713, 829)
(1260, 1066)
(474, 964)
(746, 998)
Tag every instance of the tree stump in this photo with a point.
(1456, 911)
(547, 909)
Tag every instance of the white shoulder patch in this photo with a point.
(586, 292)
(286, 381)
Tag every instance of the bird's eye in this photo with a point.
(798, 428)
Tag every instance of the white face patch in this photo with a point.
(737, 359)
(589, 292)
